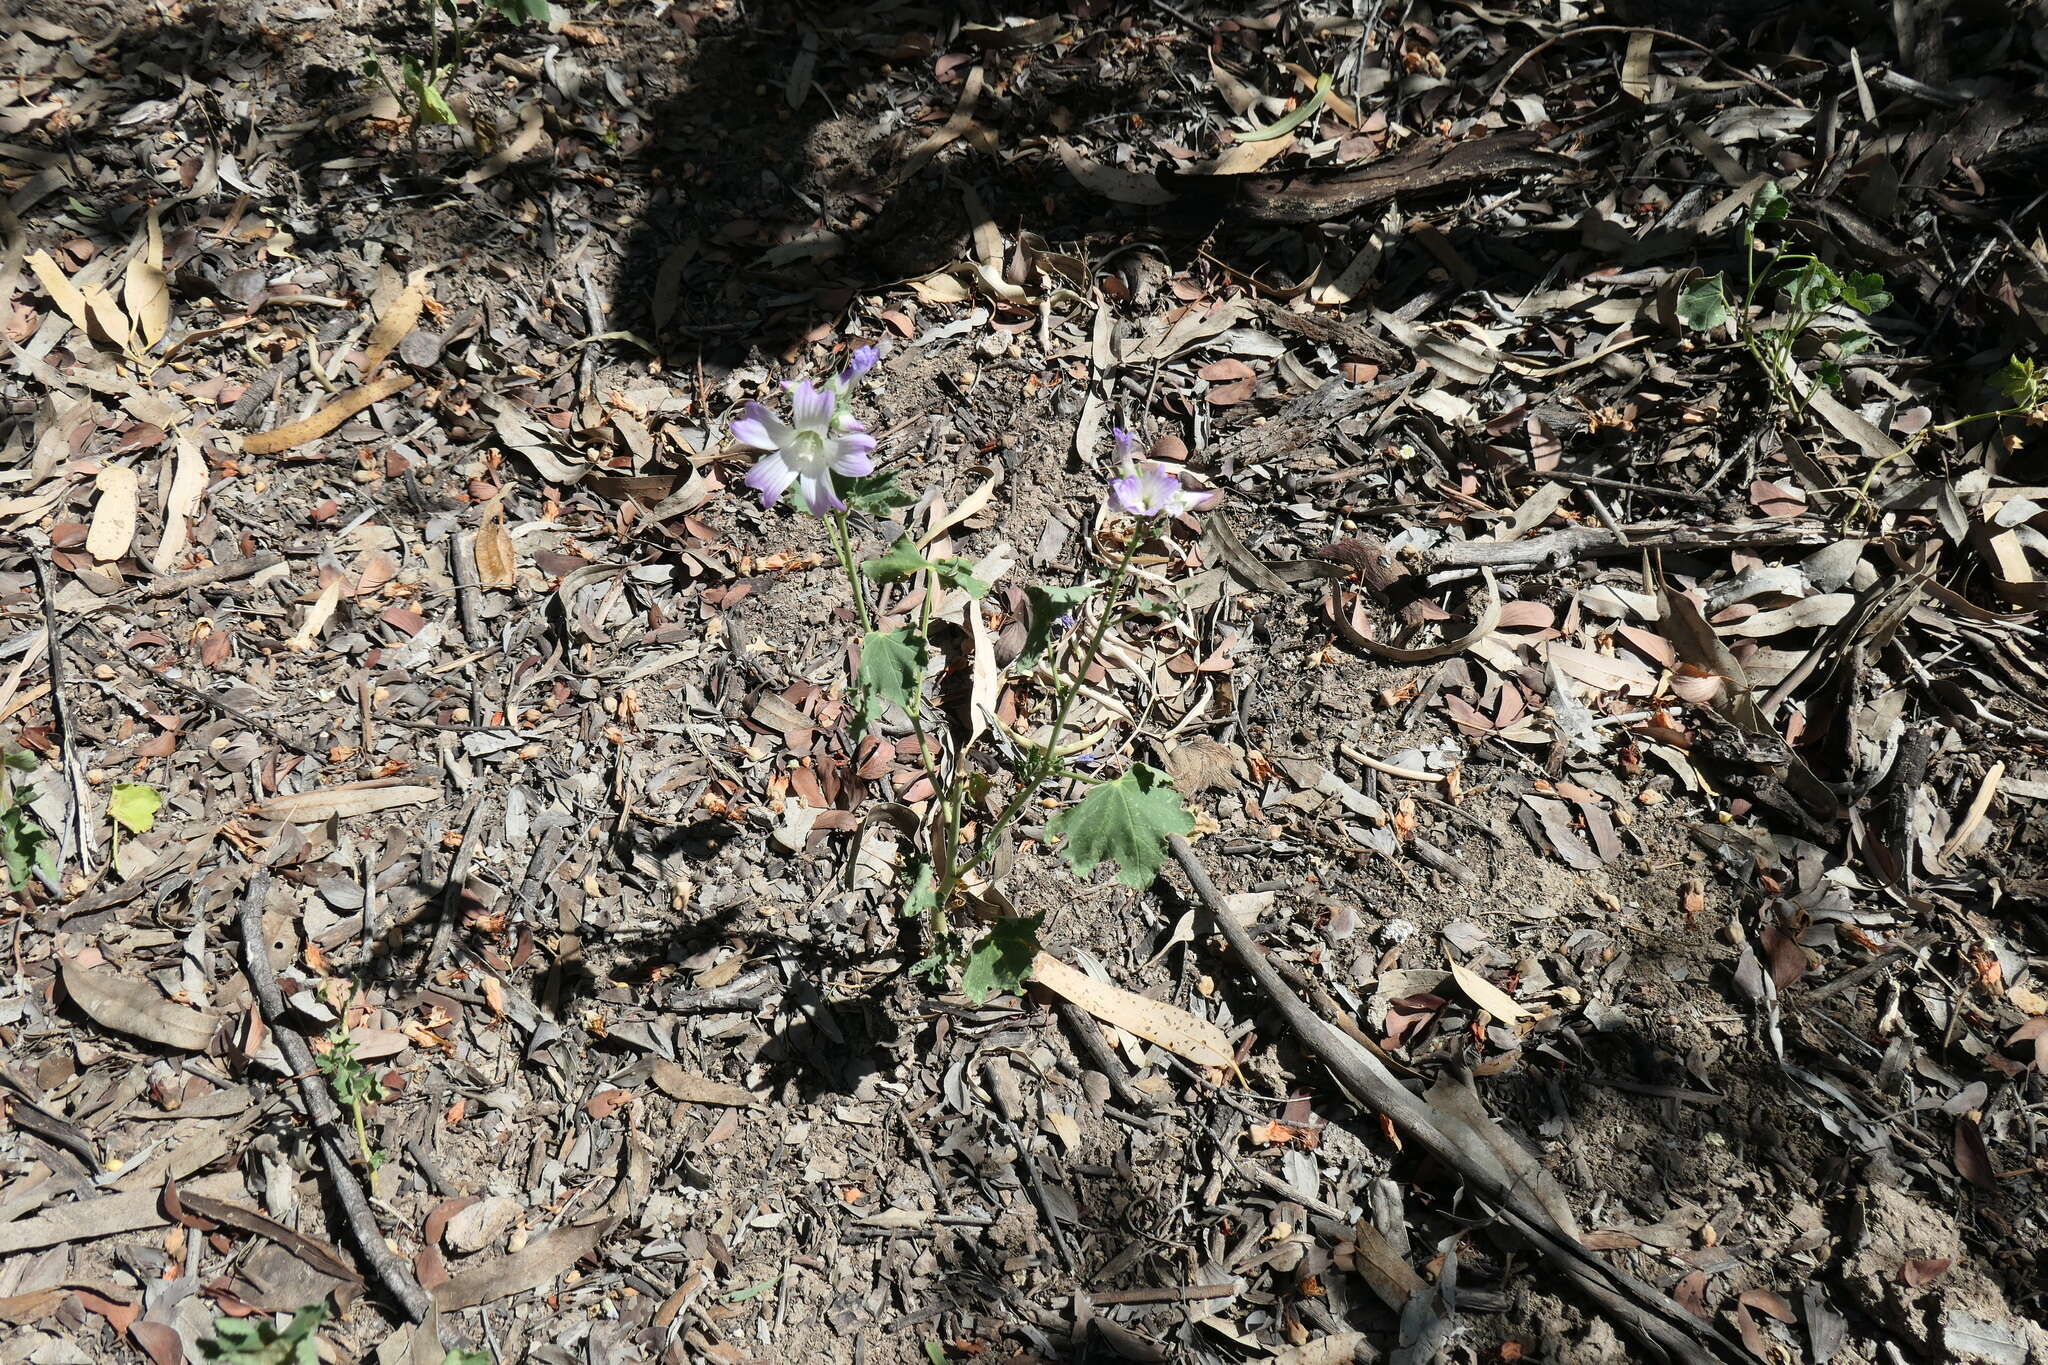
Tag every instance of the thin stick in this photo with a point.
(1652, 1317)
(54, 649)
(321, 1109)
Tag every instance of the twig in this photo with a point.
(1088, 1038)
(1357, 755)
(210, 575)
(73, 774)
(1500, 86)
(321, 1110)
(1652, 1317)
(1564, 547)
(467, 608)
(451, 893)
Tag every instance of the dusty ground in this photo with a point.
(656, 1082)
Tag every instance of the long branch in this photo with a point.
(321, 1109)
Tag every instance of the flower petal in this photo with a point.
(761, 429)
(852, 454)
(1124, 492)
(769, 477)
(810, 407)
(818, 495)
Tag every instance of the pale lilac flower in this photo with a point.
(843, 383)
(1150, 489)
(807, 450)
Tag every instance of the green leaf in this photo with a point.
(892, 666)
(1809, 288)
(923, 897)
(1703, 304)
(1850, 343)
(958, 574)
(134, 806)
(461, 1357)
(903, 560)
(1865, 292)
(1770, 205)
(1001, 961)
(874, 495)
(254, 1341)
(2019, 381)
(433, 105)
(20, 760)
(934, 1352)
(24, 844)
(1287, 123)
(1048, 607)
(1128, 820)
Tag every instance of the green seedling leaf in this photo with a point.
(19, 760)
(903, 560)
(1051, 610)
(1703, 304)
(1850, 343)
(892, 666)
(755, 1291)
(923, 897)
(936, 967)
(432, 105)
(134, 805)
(934, 1352)
(958, 574)
(254, 1341)
(1865, 292)
(2019, 382)
(1811, 287)
(1770, 205)
(1829, 374)
(461, 1357)
(24, 844)
(1287, 123)
(874, 495)
(1001, 961)
(1127, 821)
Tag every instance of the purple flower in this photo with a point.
(817, 442)
(840, 386)
(1153, 490)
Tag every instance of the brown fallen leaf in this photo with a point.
(135, 1008)
(395, 322)
(534, 1266)
(105, 1216)
(691, 1088)
(1487, 996)
(497, 563)
(1185, 1035)
(113, 517)
(327, 419)
(345, 801)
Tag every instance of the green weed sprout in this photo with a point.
(421, 88)
(354, 1088)
(24, 844)
(256, 1341)
(826, 454)
(1810, 290)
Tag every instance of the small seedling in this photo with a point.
(421, 87)
(826, 454)
(24, 844)
(1814, 297)
(354, 1088)
(257, 1341)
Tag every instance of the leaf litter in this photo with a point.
(1604, 681)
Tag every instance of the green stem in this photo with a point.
(842, 546)
(1046, 761)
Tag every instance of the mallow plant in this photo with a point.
(822, 452)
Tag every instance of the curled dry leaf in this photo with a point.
(136, 1008)
(327, 419)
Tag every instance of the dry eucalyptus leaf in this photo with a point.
(136, 1008)
(113, 517)
(345, 801)
(691, 1088)
(1186, 1036)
